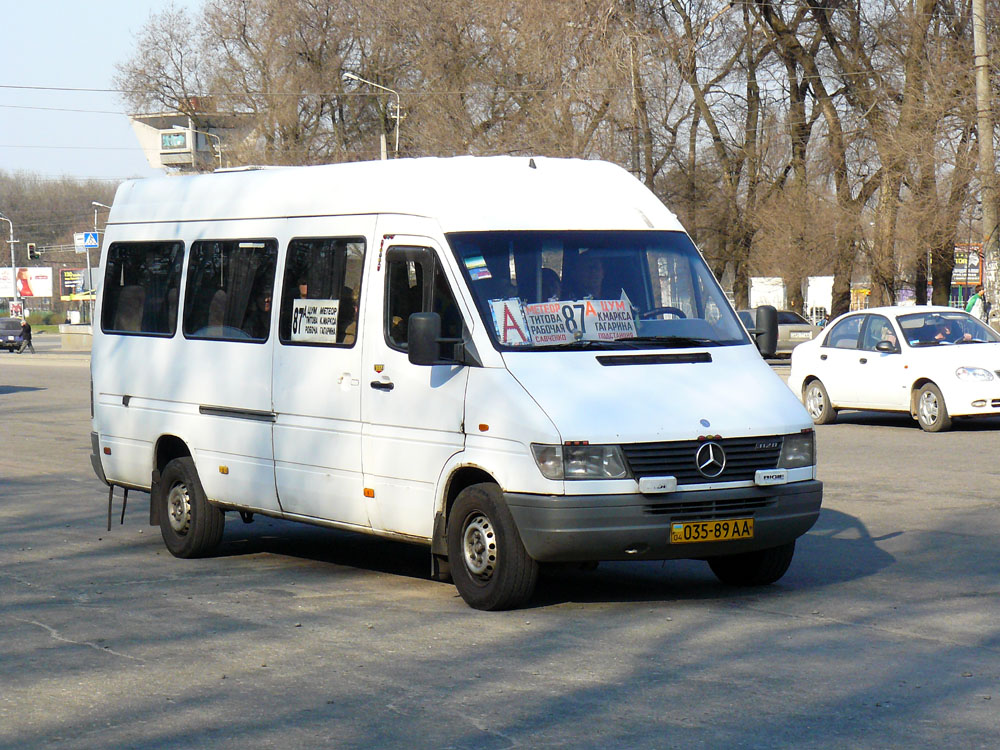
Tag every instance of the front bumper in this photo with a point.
(577, 528)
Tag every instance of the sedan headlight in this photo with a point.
(580, 461)
(974, 374)
(798, 451)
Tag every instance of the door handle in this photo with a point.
(863, 360)
(822, 356)
(378, 385)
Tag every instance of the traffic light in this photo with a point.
(33, 253)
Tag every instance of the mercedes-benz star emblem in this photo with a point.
(710, 460)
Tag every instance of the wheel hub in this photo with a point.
(480, 545)
(928, 408)
(179, 508)
(814, 402)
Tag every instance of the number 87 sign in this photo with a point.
(558, 322)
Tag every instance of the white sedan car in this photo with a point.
(933, 362)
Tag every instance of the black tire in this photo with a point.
(817, 403)
(190, 525)
(931, 410)
(753, 568)
(489, 564)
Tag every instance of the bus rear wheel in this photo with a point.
(189, 524)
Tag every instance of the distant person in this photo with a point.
(258, 320)
(976, 306)
(26, 337)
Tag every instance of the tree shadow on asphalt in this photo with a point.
(8, 389)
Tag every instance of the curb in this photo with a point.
(46, 359)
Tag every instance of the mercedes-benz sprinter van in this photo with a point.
(512, 361)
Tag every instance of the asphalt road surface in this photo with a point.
(884, 633)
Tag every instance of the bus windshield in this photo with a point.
(588, 289)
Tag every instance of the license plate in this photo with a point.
(711, 531)
(801, 334)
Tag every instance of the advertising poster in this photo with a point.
(967, 269)
(73, 284)
(29, 281)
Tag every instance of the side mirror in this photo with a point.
(887, 347)
(766, 328)
(423, 332)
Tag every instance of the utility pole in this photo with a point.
(13, 268)
(987, 160)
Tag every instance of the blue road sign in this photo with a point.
(90, 240)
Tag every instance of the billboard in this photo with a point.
(73, 285)
(968, 268)
(30, 281)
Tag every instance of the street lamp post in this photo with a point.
(90, 280)
(987, 161)
(207, 135)
(396, 115)
(13, 269)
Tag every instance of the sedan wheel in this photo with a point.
(817, 402)
(932, 413)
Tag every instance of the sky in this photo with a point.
(53, 44)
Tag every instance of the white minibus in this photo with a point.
(512, 361)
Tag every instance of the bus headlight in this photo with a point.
(798, 451)
(580, 461)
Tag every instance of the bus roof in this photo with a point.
(464, 193)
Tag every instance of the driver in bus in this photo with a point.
(585, 278)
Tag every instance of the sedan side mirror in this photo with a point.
(887, 347)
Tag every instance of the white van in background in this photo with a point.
(512, 361)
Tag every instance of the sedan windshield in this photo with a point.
(943, 328)
(595, 289)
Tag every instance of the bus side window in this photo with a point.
(321, 275)
(141, 284)
(229, 290)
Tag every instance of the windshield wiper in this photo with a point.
(580, 344)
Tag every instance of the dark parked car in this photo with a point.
(10, 334)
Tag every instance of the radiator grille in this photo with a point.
(744, 456)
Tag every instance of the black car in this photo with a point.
(10, 334)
